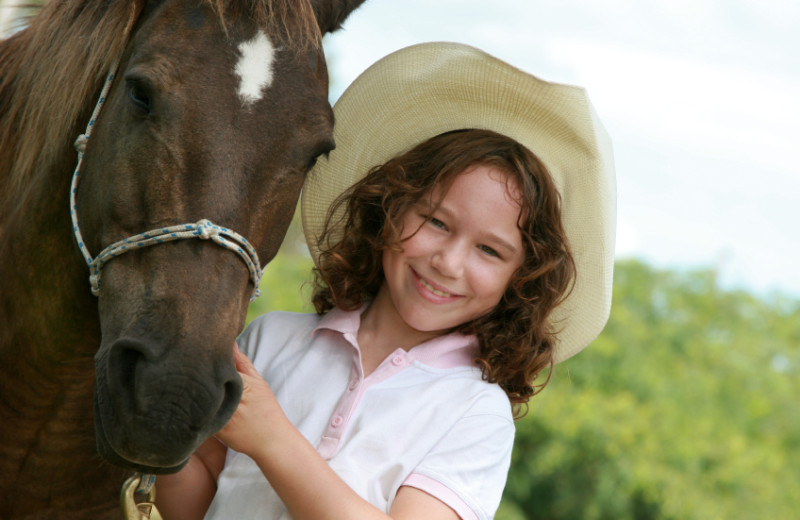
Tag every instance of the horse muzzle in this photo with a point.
(155, 406)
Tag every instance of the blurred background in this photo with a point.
(686, 406)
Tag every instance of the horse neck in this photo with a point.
(48, 318)
(49, 331)
(44, 283)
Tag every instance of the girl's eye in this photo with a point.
(438, 223)
(489, 251)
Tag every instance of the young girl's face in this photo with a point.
(456, 266)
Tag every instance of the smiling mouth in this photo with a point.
(432, 289)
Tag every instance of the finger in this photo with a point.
(243, 364)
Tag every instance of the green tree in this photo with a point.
(286, 282)
(684, 407)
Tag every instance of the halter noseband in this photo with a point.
(202, 229)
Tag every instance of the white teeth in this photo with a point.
(437, 292)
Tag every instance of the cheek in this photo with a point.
(411, 248)
(386, 261)
(392, 262)
(423, 243)
(491, 284)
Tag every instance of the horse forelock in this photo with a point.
(292, 22)
(50, 71)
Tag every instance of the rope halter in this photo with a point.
(203, 229)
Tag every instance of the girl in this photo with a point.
(448, 278)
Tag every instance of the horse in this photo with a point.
(199, 119)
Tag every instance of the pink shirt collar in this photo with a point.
(448, 351)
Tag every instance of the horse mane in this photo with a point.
(50, 71)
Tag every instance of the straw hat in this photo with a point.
(427, 89)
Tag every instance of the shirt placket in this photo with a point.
(348, 403)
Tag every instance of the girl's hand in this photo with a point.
(252, 426)
(305, 482)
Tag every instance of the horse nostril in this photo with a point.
(128, 359)
(169, 391)
(232, 395)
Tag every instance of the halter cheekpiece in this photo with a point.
(203, 229)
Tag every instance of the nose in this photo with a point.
(450, 259)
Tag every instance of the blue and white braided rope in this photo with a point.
(80, 147)
(203, 229)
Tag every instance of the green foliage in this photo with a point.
(287, 282)
(285, 285)
(685, 407)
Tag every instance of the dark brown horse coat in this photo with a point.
(216, 112)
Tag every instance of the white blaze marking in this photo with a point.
(255, 67)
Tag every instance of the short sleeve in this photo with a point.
(468, 467)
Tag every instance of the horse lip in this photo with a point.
(107, 451)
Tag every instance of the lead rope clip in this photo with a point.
(144, 509)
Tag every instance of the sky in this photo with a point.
(701, 99)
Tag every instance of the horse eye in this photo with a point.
(140, 97)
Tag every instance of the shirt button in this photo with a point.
(353, 385)
(397, 360)
(337, 421)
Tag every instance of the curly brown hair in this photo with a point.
(516, 340)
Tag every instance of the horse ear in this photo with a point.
(332, 13)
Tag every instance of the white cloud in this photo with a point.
(717, 108)
(628, 242)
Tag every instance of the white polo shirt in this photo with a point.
(424, 418)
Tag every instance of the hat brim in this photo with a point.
(427, 89)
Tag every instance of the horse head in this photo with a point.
(217, 113)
